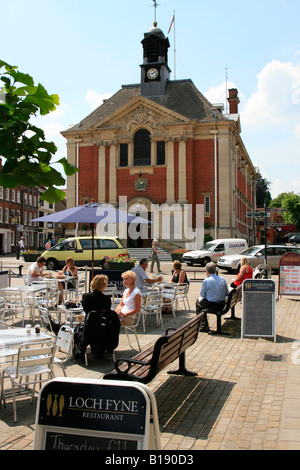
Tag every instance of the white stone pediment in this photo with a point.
(141, 113)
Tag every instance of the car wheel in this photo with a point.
(205, 261)
(104, 264)
(52, 264)
(189, 263)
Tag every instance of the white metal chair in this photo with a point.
(181, 295)
(15, 304)
(112, 291)
(153, 306)
(168, 291)
(31, 362)
(133, 328)
(2, 313)
(78, 290)
(47, 321)
(64, 343)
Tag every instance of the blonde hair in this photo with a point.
(130, 274)
(245, 261)
(69, 260)
(99, 282)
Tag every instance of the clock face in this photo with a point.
(152, 74)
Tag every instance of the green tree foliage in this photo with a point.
(290, 202)
(263, 195)
(27, 154)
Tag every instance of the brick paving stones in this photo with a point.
(241, 399)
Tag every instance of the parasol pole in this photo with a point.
(93, 229)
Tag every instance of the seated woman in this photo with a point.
(96, 300)
(101, 324)
(131, 302)
(179, 275)
(246, 272)
(68, 270)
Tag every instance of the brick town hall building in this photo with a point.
(161, 142)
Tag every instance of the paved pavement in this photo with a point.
(245, 396)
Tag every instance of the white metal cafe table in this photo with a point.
(14, 337)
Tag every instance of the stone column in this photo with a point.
(101, 174)
(170, 172)
(113, 174)
(182, 185)
(71, 180)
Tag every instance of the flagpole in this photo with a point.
(174, 50)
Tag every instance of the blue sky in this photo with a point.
(85, 50)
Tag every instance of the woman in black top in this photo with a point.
(96, 300)
(179, 275)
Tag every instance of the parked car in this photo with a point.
(255, 256)
(80, 249)
(213, 250)
(295, 239)
(286, 238)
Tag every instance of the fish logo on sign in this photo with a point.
(55, 404)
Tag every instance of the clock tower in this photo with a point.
(155, 71)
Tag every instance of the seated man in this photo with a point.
(213, 294)
(35, 270)
(141, 275)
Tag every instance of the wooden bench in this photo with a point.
(194, 271)
(235, 296)
(146, 365)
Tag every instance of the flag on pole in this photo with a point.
(171, 24)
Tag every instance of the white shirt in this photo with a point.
(140, 276)
(128, 302)
(33, 267)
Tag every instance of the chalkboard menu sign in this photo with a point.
(258, 305)
(83, 414)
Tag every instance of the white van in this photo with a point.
(213, 250)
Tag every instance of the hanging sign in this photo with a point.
(289, 274)
(83, 414)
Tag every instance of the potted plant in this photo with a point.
(177, 254)
(120, 263)
(30, 255)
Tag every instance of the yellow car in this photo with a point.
(80, 249)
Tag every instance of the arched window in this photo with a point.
(142, 148)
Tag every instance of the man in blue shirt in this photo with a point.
(213, 294)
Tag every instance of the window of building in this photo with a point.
(7, 194)
(1, 192)
(13, 195)
(1, 214)
(6, 216)
(161, 153)
(207, 204)
(142, 148)
(18, 196)
(123, 154)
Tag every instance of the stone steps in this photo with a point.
(140, 253)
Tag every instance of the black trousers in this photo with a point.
(204, 304)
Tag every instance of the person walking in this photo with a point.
(154, 256)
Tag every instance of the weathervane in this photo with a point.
(156, 5)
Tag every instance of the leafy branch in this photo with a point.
(27, 154)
